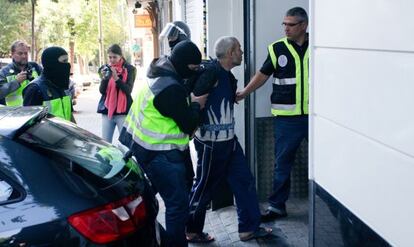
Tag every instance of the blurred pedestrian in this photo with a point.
(118, 77)
(15, 76)
(51, 89)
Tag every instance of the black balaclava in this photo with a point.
(54, 70)
(181, 37)
(183, 54)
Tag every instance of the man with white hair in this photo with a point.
(219, 153)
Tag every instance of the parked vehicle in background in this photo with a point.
(60, 185)
(4, 62)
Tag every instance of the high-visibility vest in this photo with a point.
(148, 127)
(60, 107)
(16, 98)
(290, 94)
(58, 101)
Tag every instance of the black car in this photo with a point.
(60, 185)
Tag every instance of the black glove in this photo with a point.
(207, 80)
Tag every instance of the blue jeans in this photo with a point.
(289, 133)
(167, 173)
(108, 126)
(218, 161)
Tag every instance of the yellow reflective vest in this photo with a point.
(60, 107)
(148, 127)
(16, 98)
(290, 94)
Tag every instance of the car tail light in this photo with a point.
(112, 221)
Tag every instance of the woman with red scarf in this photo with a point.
(117, 82)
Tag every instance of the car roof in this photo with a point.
(14, 118)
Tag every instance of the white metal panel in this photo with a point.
(369, 92)
(361, 121)
(194, 19)
(268, 28)
(368, 24)
(372, 180)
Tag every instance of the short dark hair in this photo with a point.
(298, 12)
(18, 43)
(116, 49)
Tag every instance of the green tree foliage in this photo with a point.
(77, 20)
(14, 24)
(63, 21)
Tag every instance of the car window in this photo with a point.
(78, 145)
(10, 192)
(5, 191)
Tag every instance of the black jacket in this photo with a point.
(41, 89)
(173, 100)
(125, 87)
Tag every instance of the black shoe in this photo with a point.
(270, 216)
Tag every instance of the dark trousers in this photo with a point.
(289, 133)
(219, 161)
(167, 173)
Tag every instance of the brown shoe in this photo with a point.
(199, 237)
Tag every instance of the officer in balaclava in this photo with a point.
(175, 32)
(157, 130)
(51, 88)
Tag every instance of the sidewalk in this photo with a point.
(222, 224)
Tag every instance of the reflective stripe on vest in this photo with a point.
(16, 98)
(151, 129)
(285, 81)
(60, 107)
(292, 109)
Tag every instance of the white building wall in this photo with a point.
(194, 19)
(225, 18)
(178, 10)
(362, 130)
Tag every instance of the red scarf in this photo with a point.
(116, 100)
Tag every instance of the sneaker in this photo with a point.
(271, 215)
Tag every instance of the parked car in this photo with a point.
(60, 185)
(4, 62)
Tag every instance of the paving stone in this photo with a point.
(221, 236)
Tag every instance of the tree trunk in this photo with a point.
(71, 55)
(152, 10)
(81, 66)
(86, 64)
(33, 48)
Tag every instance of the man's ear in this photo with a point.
(230, 52)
